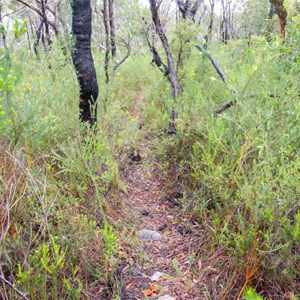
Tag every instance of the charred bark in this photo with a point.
(112, 28)
(83, 60)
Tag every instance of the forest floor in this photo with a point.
(156, 269)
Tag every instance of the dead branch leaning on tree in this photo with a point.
(207, 54)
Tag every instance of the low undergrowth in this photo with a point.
(238, 172)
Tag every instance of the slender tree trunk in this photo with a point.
(112, 28)
(225, 21)
(83, 60)
(107, 45)
(158, 26)
(269, 24)
(171, 68)
(211, 21)
(281, 13)
(38, 37)
(187, 9)
(28, 38)
(45, 19)
(56, 17)
(3, 34)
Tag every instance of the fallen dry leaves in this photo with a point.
(150, 292)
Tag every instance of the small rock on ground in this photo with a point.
(149, 235)
(156, 276)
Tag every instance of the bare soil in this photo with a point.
(147, 205)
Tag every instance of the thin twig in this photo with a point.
(118, 64)
(15, 11)
(8, 283)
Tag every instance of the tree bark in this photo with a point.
(46, 23)
(39, 12)
(172, 76)
(107, 46)
(155, 55)
(38, 37)
(226, 25)
(211, 21)
(158, 27)
(3, 34)
(56, 17)
(187, 9)
(112, 28)
(281, 13)
(83, 60)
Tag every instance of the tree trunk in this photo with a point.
(158, 27)
(269, 24)
(107, 46)
(112, 28)
(56, 17)
(211, 21)
(172, 76)
(3, 34)
(83, 60)
(38, 37)
(281, 13)
(187, 9)
(45, 19)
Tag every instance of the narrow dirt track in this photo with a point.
(147, 206)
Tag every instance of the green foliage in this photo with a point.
(19, 28)
(110, 240)
(7, 74)
(110, 246)
(238, 172)
(43, 271)
(240, 169)
(250, 294)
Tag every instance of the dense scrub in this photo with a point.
(238, 173)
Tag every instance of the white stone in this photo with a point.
(149, 235)
(156, 276)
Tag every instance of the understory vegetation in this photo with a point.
(237, 172)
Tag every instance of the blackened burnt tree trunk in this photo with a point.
(83, 60)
